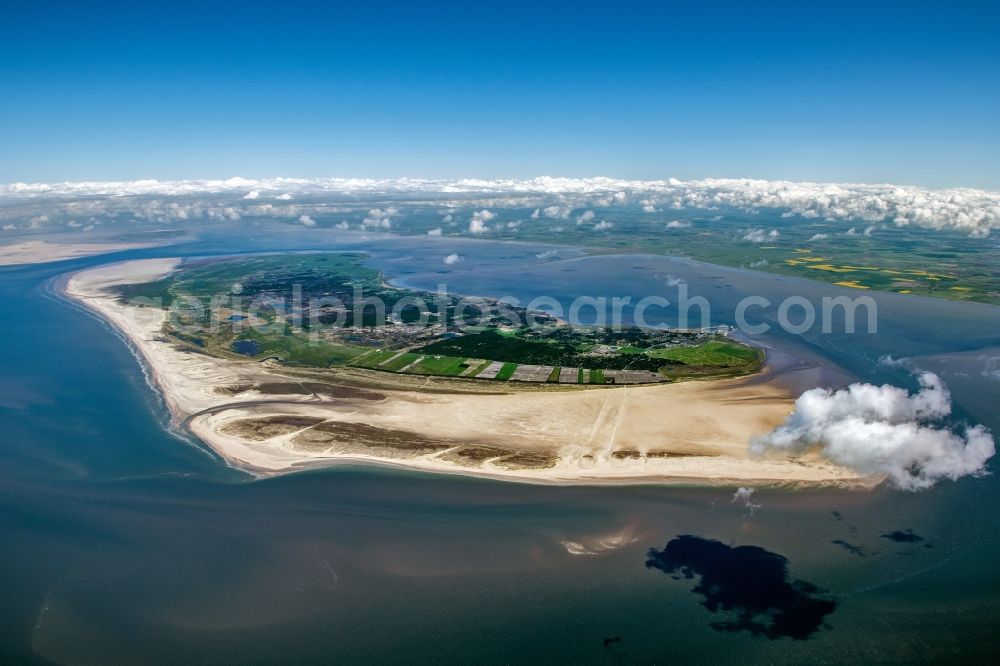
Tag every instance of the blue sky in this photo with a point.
(863, 92)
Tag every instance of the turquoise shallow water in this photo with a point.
(123, 542)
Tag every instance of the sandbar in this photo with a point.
(41, 252)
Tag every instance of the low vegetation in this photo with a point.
(302, 310)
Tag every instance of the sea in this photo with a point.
(125, 540)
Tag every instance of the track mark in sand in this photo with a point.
(603, 417)
(618, 419)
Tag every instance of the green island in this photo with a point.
(328, 310)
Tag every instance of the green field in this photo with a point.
(446, 366)
(297, 309)
(506, 371)
(713, 353)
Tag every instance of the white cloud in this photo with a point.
(379, 218)
(477, 225)
(760, 235)
(556, 212)
(991, 367)
(603, 224)
(678, 224)
(284, 197)
(342, 225)
(586, 216)
(744, 497)
(9, 227)
(252, 194)
(536, 214)
(514, 225)
(452, 259)
(672, 281)
(889, 362)
(883, 430)
(307, 221)
(972, 211)
(819, 237)
(447, 218)
(434, 232)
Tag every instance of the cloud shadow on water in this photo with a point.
(747, 581)
(903, 536)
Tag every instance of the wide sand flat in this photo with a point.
(39, 252)
(691, 432)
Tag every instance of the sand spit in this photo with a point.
(40, 252)
(268, 420)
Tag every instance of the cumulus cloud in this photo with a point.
(889, 361)
(672, 281)
(973, 211)
(342, 225)
(884, 430)
(603, 225)
(678, 224)
(744, 497)
(452, 259)
(477, 225)
(252, 194)
(819, 237)
(586, 216)
(434, 232)
(991, 367)
(760, 235)
(447, 218)
(556, 212)
(379, 218)
(307, 221)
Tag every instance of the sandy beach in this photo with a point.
(270, 420)
(40, 252)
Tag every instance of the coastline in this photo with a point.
(692, 433)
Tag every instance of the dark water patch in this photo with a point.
(850, 547)
(903, 536)
(747, 581)
(246, 347)
(839, 517)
